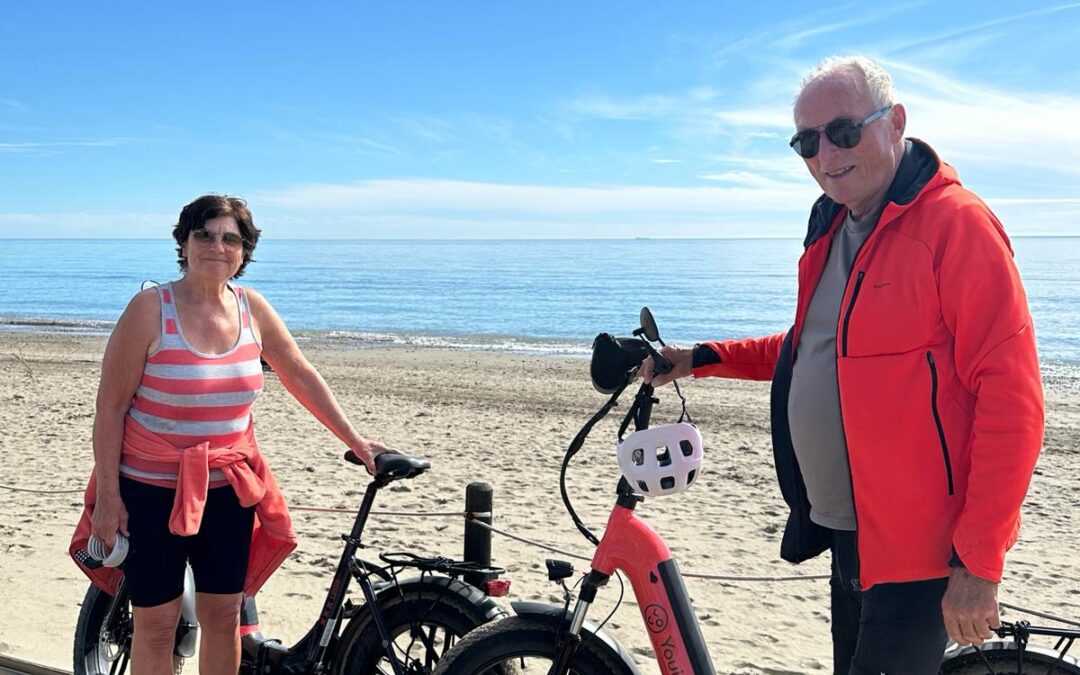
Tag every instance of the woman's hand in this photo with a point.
(110, 516)
(367, 451)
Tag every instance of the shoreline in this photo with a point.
(1059, 372)
(503, 419)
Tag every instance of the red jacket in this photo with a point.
(939, 381)
(272, 538)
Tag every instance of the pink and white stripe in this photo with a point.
(187, 397)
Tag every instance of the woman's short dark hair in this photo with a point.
(194, 216)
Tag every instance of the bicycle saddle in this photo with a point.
(389, 465)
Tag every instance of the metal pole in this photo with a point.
(478, 501)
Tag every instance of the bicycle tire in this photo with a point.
(91, 655)
(508, 642)
(424, 620)
(1001, 656)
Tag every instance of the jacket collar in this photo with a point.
(917, 168)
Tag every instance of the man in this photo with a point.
(907, 407)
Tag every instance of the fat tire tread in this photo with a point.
(519, 636)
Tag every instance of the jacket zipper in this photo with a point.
(847, 314)
(937, 419)
(856, 584)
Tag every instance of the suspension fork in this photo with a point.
(570, 639)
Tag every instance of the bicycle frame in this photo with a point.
(632, 546)
(314, 648)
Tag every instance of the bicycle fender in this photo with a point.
(555, 615)
(483, 607)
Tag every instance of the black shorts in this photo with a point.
(218, 553)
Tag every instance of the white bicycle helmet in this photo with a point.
(661, 460)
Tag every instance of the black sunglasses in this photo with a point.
(841, 132)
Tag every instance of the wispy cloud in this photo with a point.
(25, 147)
(947, 35)
(86, 224)
(12, 104)
(999, 130)
(432, 195)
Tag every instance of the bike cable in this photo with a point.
(97, 549)
(575, 446)
(685, 414)
(618, 602)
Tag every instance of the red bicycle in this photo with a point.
(663, 460)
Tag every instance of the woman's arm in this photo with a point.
(121, 370)
(304, 382)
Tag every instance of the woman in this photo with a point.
(173, 437)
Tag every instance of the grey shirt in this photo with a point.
(817, 430)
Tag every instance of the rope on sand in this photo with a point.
(532, 542)
(690, 576)
(417, 514)
(1041, 615)
(43, 492)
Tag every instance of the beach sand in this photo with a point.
(505, 420)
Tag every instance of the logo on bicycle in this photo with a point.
(656, 618)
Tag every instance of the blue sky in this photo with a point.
(506, 119)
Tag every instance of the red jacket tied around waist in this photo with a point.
(272, 538)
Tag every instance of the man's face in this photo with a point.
(856, 177)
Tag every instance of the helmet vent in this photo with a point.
(667, 482)
(663, 456)
(687, 447)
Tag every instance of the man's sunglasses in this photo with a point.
(841, 132)
(205, 237)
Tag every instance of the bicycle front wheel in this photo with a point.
(1000, 658)
(524, 645)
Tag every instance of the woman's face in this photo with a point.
(216, 250)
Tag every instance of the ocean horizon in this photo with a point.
(540, 296)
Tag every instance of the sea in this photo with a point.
(520, 296)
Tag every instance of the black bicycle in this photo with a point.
(1013, 654)
(403, 626)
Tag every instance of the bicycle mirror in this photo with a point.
(648, 326)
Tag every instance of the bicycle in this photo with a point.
(559, 640)
(404, 625)
(1013, 651)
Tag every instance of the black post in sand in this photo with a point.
(478, 503)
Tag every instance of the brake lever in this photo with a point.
(661, 365)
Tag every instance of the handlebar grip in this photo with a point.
(661, 365)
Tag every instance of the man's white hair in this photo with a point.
(878, 82)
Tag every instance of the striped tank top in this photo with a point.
(187, 397)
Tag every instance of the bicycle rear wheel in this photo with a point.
(523, 645)
(1000, 659)
(424, 619)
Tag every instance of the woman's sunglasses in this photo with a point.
(205, 237)
(841, 132)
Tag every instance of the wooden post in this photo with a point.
(478, 501)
